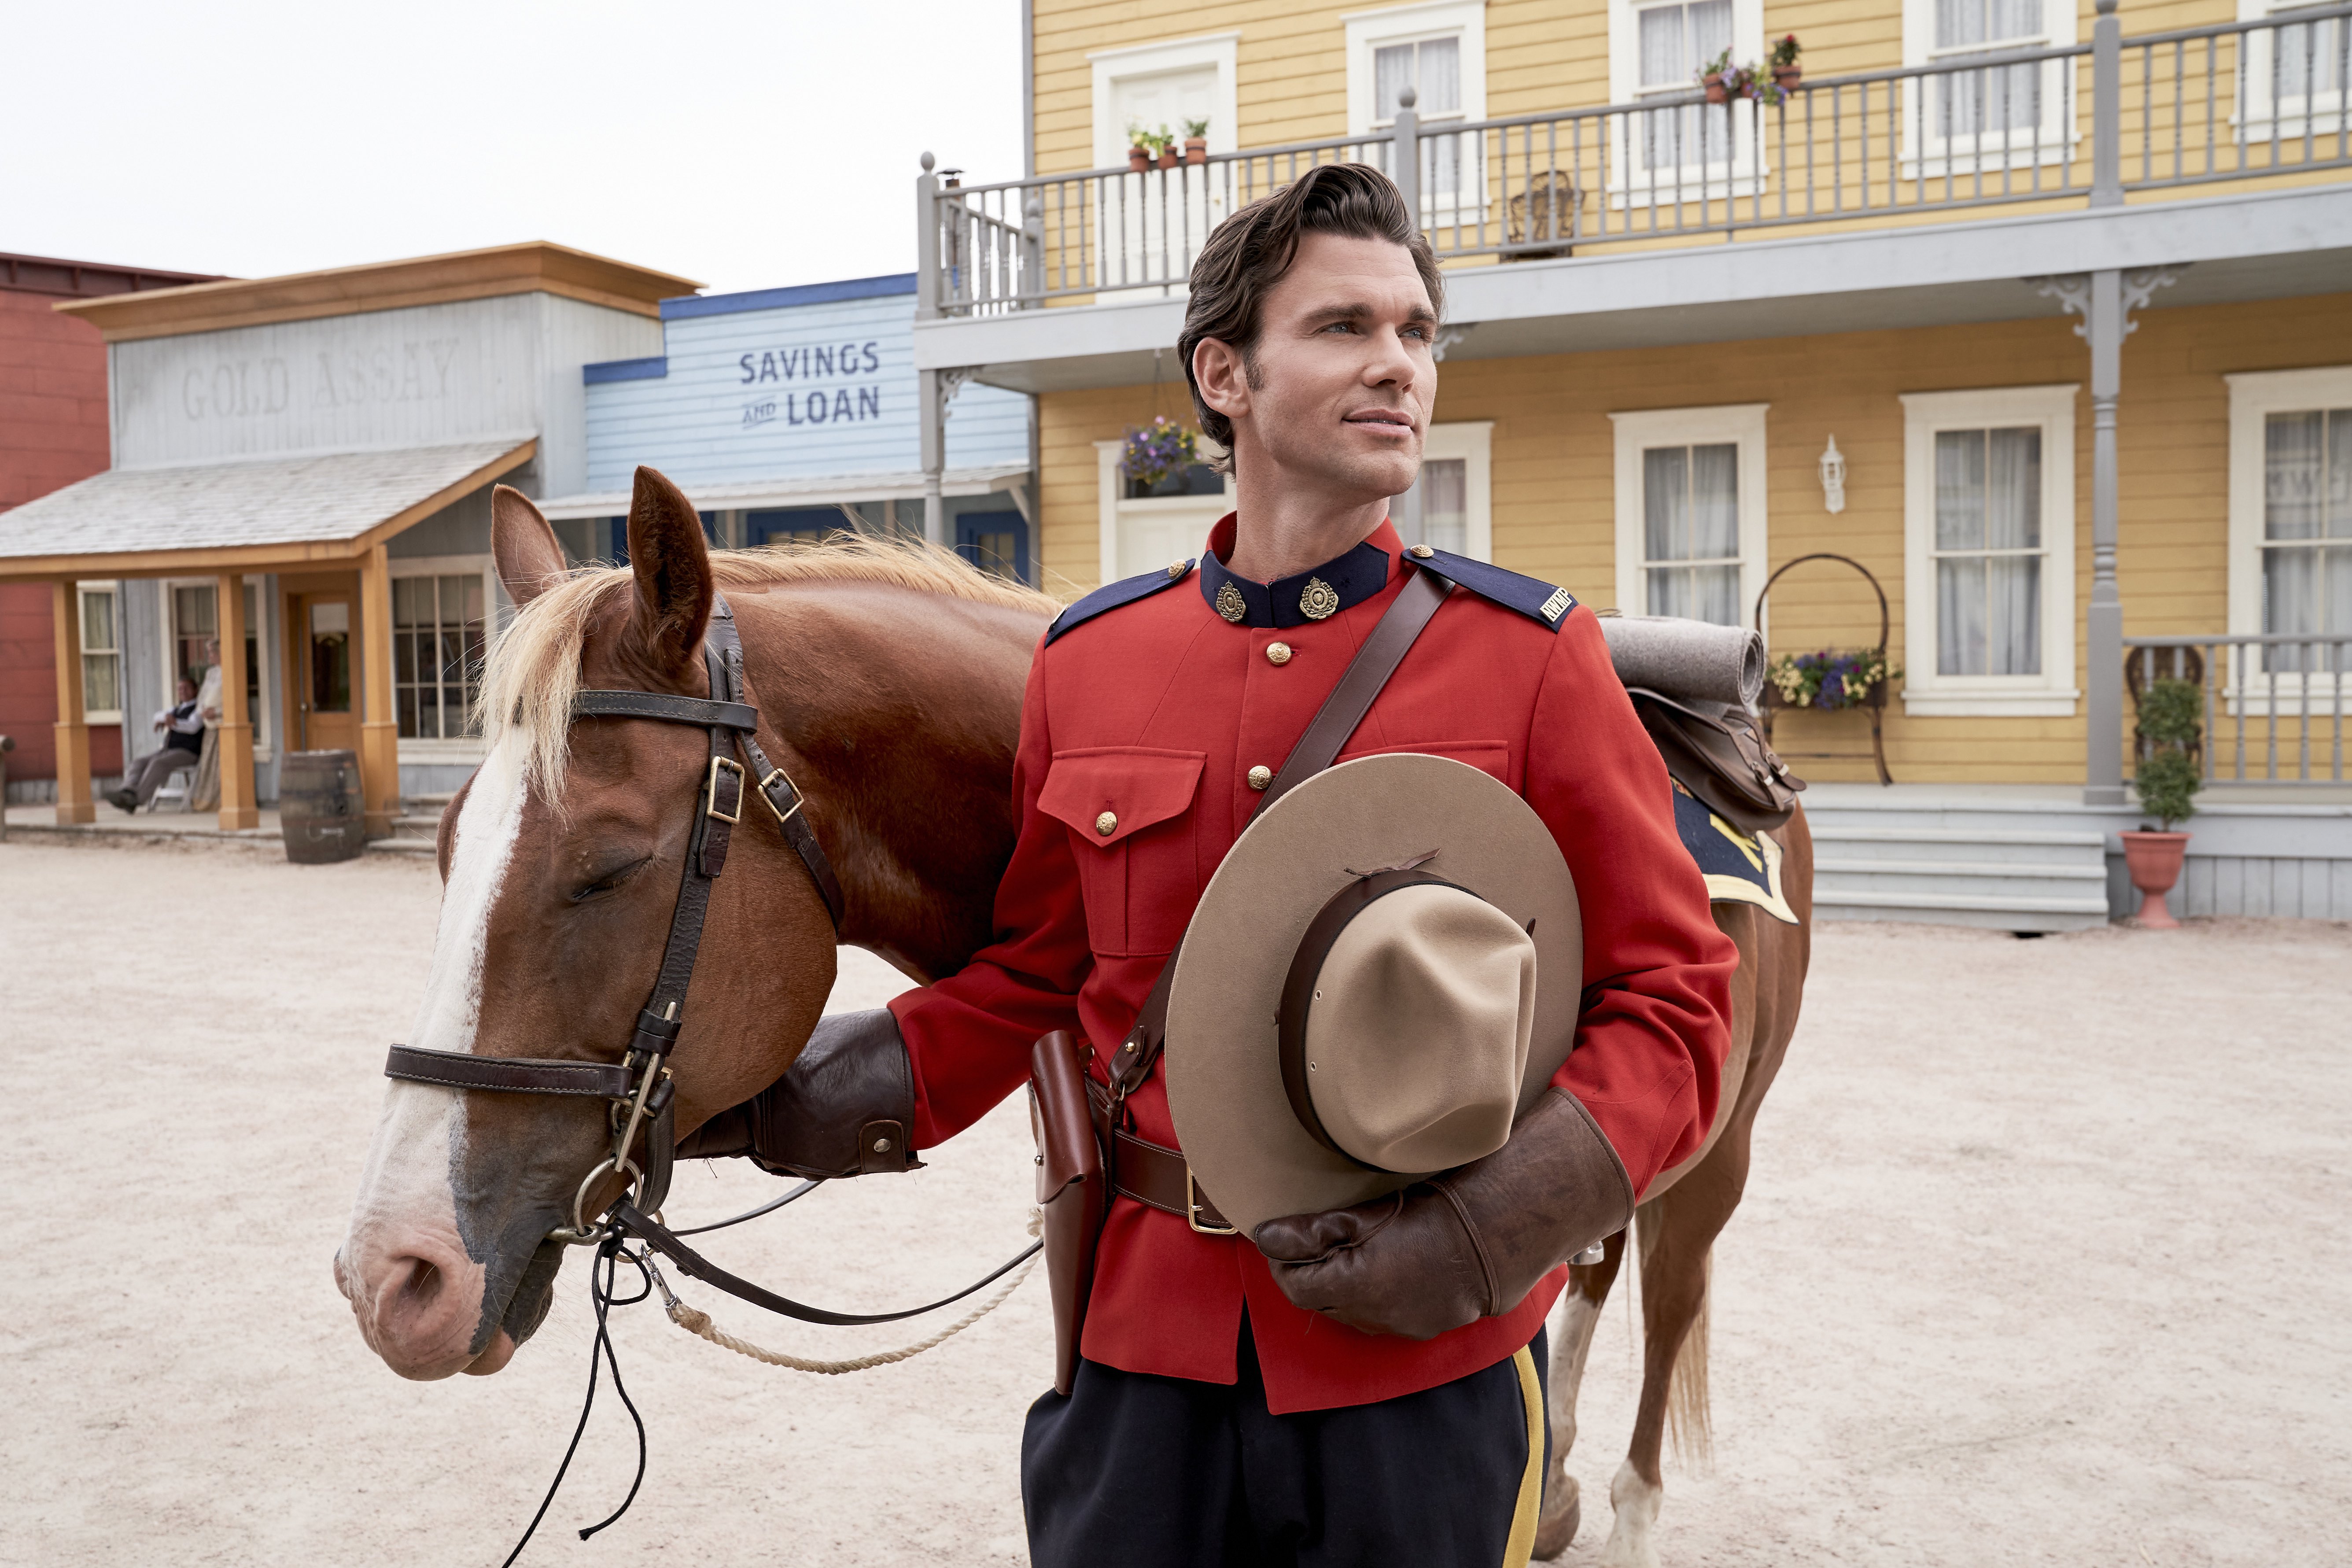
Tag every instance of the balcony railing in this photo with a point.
(2083, 124)
(2274, 704)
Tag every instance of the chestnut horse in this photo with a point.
(889, 681)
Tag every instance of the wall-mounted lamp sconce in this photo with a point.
(1833, 478)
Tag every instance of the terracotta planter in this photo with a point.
(1138, 159)
(1787, 77)
(1716, 92)
(1196, 149)
(2154, 861)
(1168, 157)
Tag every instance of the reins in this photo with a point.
(639, 1091)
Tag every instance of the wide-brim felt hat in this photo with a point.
(1383, 975)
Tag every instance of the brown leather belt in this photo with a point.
(1162, 1179)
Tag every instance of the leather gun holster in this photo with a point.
(1073, 1186)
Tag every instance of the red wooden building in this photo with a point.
(53, 431)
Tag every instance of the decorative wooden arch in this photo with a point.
(1874, 702)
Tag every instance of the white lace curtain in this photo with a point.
(1675, 42)
(1969, 103)
(2307, 531)
(1690, 525)
(1988, 551)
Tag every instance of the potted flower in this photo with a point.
(1713, 76)
(1154, 451)
(1196, 142)
(1830, 680)
(1138, 148)
(2168, 781)
(1786, 72)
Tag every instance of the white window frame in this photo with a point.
(2257, 119)
(1112, 66)
(1472, 442)
(2050, 694)
(1141, 234)
(471, 748)
(1636, 432)
(1111, 507)
(1369, 31)
(1926, 155)
(262, 725)
(101, 715)
(2254, 397)
(1636, 186)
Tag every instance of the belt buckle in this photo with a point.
(711, 805)
(1192, 1209)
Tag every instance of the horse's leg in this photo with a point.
(1588, 1287)
(1675, 1232)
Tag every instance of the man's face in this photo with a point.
(187, 690)
(1342, 375)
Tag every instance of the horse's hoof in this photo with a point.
(1556, 1527)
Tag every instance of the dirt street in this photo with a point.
(2040, 1263)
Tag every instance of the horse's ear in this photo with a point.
(672, 563)
(529, 559)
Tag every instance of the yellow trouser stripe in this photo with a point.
(1522, 1544)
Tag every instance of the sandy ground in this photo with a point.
(2040, 1262)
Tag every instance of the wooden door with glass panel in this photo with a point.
(325, 673)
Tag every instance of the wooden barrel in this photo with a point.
(319, 806)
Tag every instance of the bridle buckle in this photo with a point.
(710, 808)
(799, 800)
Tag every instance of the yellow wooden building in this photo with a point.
(2042, 315)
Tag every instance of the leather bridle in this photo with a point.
(638, 1088)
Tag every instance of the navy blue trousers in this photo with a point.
(1164, 1472)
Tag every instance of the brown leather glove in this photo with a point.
(1469, 1244)
(845, 1108)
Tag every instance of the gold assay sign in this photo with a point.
(1318, 601)
(1229, 604)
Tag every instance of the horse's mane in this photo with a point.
(534, 664)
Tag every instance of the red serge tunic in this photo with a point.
(1155, 713)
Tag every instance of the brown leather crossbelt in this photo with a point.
(1162, 1179)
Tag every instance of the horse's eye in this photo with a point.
(605, 883)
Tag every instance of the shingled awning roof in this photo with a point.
(254, 515)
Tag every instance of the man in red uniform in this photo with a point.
(1353, 1386)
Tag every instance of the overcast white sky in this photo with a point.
(748, 145)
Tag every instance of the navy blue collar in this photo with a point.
(1313, 595)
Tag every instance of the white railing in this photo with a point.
(2231, 101)
(2263, 695)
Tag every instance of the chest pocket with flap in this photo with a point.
(1129, 813)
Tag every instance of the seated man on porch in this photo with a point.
(183, 739)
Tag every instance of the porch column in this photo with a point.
(2102, 621)
(379, 730)
(927, 309)
(235, 739)
(73, 804)
(934, 448)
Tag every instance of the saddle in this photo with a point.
(1717, 754)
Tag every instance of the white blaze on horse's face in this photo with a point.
(405, 1267)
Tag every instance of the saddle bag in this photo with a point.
(1721, 758)
(1073, 1187)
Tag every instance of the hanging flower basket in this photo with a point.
(1830, 680)
(1158, 449)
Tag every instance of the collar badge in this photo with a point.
(1318, 601)
(1229, 604)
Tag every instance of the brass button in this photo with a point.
(1107, 823)
(1277, 653)
(881, 1145)
(1422, 552)
(1177, 569)
(1260, 776)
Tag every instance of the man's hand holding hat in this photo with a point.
(1469, 1244)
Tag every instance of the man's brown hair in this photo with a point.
(1250, 250)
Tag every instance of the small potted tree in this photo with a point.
(2168, 781)
(1196, 142)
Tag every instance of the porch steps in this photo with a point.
(416, 830)
(1993, 874)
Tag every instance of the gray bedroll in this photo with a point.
(1691, 661)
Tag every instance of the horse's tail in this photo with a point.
(1687, 1419)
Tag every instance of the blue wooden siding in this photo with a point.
(798, 390)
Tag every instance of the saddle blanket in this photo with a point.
(1740, 867)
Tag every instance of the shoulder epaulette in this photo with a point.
(1540, 602)
(1111, 596)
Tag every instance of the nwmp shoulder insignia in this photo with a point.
(1111, 596)
(1540, 602)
